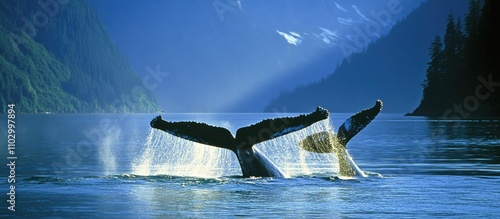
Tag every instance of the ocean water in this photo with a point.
(116, 166)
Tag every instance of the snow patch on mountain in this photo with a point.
(291, 37)
(340, 7)
(361, 14)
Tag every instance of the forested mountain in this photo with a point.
(463, 75)
(56, 57)
(391, 69)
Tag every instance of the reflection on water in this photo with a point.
(229, 197)
(395, 145)
(471, 147)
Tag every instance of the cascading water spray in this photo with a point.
(294, 161)
(106, 152)
(164, 154)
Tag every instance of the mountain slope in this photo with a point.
(390, 69)
(238, 57)
(56, 57)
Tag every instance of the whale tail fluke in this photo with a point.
(246, 137)
(356, 123)
(324, 142)
(269, 129)
(197, 132)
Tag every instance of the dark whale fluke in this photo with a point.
(356, 123)
(252, 162)
(328, 142)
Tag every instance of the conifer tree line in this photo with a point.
(463, 74)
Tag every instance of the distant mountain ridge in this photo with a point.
(391, 69)
(55, 56)
(239, 57)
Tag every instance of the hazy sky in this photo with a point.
(227, 55)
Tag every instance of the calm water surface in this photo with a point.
(115, 166)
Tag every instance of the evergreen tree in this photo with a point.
(434, 74)
(472, 19)
(460, 38)
(469, 56)
(450, 59)
(471, 49)
(459, 65)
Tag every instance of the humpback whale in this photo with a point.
(329, 142)
(252, 161)
(255, 163)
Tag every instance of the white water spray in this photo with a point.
(286, 153)
(165, 154)
(106, 151)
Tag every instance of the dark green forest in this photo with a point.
(55, 56)
(463, 74)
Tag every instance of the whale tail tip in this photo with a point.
(155, 122)
(324, 142)
(357, 122)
